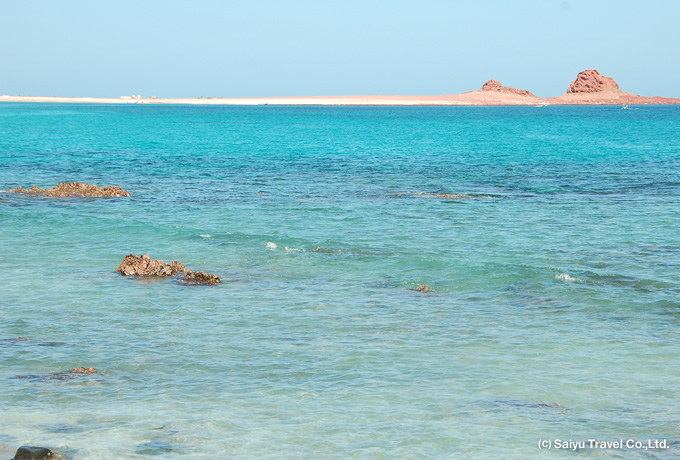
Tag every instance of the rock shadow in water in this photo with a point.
(75, 373)
(156, 447)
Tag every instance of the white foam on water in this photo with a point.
(566, 277)
(205, 235)
(271, 246)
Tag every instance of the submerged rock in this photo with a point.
(449, 195)
(36, 453)
(200, 278)
(550, 407)
(155, 448)
(75, 189)
(68, 375)
(83, 370)
(461, 196)
(423, 288)
(144, 265)
(40, 343)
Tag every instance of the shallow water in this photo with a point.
(554, 264)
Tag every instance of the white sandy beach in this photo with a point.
(589, 88)
(470, 98)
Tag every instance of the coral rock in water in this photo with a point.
(423, 288)
(200, 278)
(134, 265)
(75, 189)
(146, 266)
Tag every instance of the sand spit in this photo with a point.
(589, 88)
(75, 189)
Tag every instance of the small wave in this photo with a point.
(452, 196)
(271, 246)
(293, 249)
(461, 196)
(205, 235)
(566, 277)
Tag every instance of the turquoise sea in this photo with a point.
(554, 263)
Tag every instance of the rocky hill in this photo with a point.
(494, 85)
(590, 81)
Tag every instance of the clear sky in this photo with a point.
(230, 48)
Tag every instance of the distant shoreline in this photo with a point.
(472, 98)
(589, 88)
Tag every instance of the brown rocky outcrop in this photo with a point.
(75, 189)
(144, 265)
(200, 278)
(134, 265)
(83, 370)
(590, 81)
(494, 85)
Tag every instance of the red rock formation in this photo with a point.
(494, 85)
(590, 81)
(134, 265)
(75, 189)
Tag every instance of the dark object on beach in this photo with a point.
(36, 453)
(134, 265)
(423, 288)
(75, 189)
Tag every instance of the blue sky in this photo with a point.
(227, 48)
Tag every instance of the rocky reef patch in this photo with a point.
(74, 373)
(145, 266)
(75, 189)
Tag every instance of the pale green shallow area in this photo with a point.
(556, 277)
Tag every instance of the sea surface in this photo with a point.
(550, 238)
